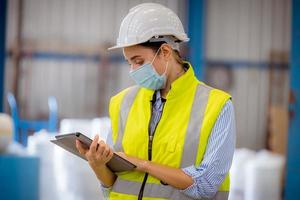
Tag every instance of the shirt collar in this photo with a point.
(183, 83)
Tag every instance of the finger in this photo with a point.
(80, 148)
(110, 155)
(106, 151)
(101, 147)
(93, 147)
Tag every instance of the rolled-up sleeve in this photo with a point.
(217, 158)
(106, 190)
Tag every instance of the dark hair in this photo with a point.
(156, 45)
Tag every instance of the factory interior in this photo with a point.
(57, 76)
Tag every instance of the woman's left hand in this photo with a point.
(175, 177)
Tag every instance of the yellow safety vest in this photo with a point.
(180, 139)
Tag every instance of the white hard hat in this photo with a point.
(150, 21)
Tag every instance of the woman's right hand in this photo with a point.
(98, 154)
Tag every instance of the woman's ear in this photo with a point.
(166, 51)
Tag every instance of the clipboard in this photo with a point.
(68, 142)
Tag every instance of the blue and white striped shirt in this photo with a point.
(218, 156)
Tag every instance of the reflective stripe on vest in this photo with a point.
(157, 191)
(191, 142)
(191, 145)
(125, 108)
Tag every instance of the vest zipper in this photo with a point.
(150, 141)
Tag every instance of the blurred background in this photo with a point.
(56, 76)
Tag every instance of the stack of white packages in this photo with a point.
(256, 176)
(75, 178)
(237, 173)
(39, 145)
(64, 176)
(264, 177)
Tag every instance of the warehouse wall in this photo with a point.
(247, 36)
(61, 44)
(64, 54)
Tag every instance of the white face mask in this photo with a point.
(146, 76)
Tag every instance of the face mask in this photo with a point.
(146, 76)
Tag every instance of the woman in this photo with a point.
(179, 132)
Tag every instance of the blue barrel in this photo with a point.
(19, 177)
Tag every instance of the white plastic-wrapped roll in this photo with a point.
(76, 125)
(237, 172)
(263, 177)
(6, 131)
(39, 145)
(102, 127)
(75, 179)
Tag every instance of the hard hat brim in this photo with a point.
(121, 46)
(133, 44)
